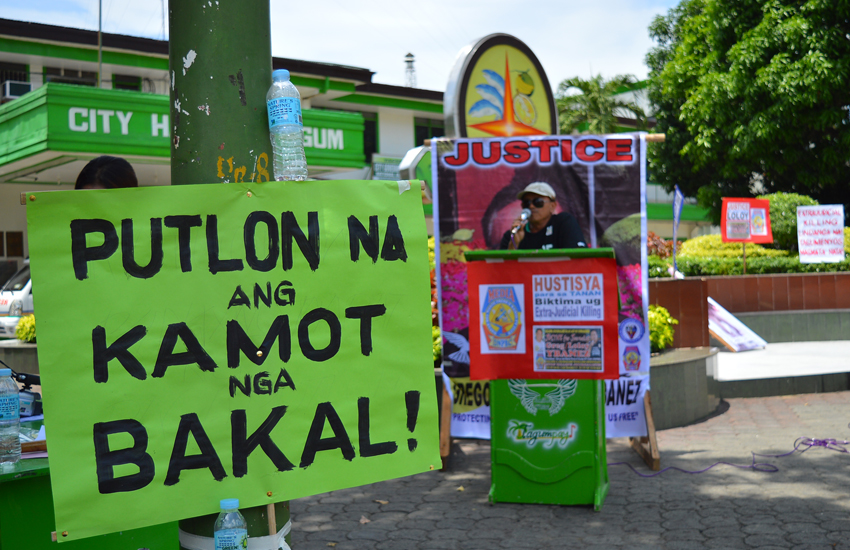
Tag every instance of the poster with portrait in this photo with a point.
(600, 180)
(569, 305)
(745, 221)
(569, 349)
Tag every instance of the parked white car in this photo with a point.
(15, 301)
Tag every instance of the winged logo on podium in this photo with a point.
(532, 400)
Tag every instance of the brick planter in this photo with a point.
(813, 306)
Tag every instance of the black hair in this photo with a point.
(109, 172)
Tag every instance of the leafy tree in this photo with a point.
(754, 97)
(596, 106)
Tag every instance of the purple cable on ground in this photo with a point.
(802, 444)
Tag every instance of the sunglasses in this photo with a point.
(539, 202)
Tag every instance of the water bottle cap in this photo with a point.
(280, 74)
(229, 504)
(5, 372)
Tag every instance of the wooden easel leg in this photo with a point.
(647, 447)
(272, 519)
(445, 427)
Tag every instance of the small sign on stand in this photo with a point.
(730, 331)
(745, 221)
(820, 233)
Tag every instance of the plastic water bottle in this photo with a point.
(285, 128)
(10, 418)
(231, 531)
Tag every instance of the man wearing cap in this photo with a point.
(544, 229)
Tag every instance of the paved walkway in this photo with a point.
(803, 506)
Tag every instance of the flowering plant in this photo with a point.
(455, 296)
(631, 299)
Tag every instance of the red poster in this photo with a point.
(745, 221)
(543, 319)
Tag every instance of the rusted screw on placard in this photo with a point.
(32, 197)
(269, 494)
(64, 533)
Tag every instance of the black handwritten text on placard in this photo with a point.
(242, 445)
(94, 240)
(279, 238)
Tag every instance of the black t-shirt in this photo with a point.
(562, 231)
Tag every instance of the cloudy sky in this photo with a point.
(570, 37)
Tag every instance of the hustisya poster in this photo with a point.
(570, 307)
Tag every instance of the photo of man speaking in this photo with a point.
(538, 227)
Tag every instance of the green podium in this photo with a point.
(543, 457)
(547, 434)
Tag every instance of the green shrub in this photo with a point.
(660, 328)
(708, 255)
(783, 218)
(698, 267)
(712, 246)
(25, 331)
(657, 268)
(437, 342)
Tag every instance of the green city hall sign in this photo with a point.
(58, 124)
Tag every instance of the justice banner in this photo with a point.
(259, 341)
(543, 319)
(599, 180)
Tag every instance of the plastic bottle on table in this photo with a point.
(10, 418)
(231, 531)
(285, 128)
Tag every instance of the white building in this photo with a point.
(49, 132)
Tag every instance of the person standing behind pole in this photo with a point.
(107, 172)
(544, 229)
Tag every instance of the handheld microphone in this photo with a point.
(523, 217)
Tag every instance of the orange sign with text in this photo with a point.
(543, 319)
(745, 221)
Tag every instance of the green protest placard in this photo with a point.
(262, 341)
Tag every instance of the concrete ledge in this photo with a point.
(785, 368)
(789, 385)
(19, 356)
(683, 386)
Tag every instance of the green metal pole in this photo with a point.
(220, 64)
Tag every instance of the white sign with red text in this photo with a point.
(820, 233)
